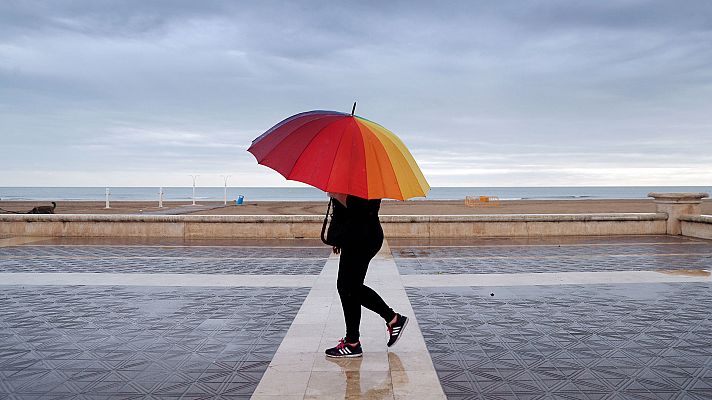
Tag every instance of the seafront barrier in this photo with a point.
(677, 213)
(699, 226)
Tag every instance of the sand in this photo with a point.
(422, 207)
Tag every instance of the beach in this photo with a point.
(388, 207)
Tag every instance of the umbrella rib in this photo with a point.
(377, 160)
(308, 144)
(291, 132)
(407, 157)
(331, 169)
(292, 118)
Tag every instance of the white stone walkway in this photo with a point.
(299, 369)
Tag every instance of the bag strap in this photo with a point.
(326, 220)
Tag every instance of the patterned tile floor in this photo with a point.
(127, 342)
(614, 255)
(602, 341)
(583, 262)
(155, 265)
(574, 342)
(552, 250)
(154, 259)
(543, 241)
(584, 341)
(220, 252)
(133, 342)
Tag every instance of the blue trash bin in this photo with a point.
(240, 199)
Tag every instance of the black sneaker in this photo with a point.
(396, 330)
(344, 350)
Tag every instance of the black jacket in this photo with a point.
(361, 217)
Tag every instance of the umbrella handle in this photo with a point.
(326, 219)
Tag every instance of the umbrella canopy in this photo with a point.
(341, 153)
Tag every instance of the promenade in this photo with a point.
(549, 318)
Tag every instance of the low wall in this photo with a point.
(518, 225)
(699, 226)
(185, 226)
(309, 226)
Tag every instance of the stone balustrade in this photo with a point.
(309, 226)
(699, 226)
(676, 205)
(677, 213)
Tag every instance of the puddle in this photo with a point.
(8, 241)
(685, 272)
(412, 254)
(158, 307)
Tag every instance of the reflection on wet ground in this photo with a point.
(686, 272)
(545, 241)
(247, 259)
(358, 385)
(579, 341)
(130, 342)
(69, 241)
(606, 254)
(68, 340)
(584, 340)
(566, 341)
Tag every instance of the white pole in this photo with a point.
(225, 178)
(108, 192)
(194, 178)
(160, 197)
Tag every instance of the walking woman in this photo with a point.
(364, 238)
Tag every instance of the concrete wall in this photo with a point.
(309, 226)
(699, 226)
(518, 225)
(185, 226)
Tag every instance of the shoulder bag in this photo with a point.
(333, 233)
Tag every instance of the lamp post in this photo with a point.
(194, 178)
(225, 178)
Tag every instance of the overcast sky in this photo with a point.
(536, 93)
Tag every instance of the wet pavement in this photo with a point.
(250, 260)
(593, 263)
(158, 265)
(578, 341)
(131, 342)
(585, 341)
(614, 255)
(491, 319)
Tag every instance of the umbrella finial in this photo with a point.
(353, 109)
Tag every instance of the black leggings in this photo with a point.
(353, 265)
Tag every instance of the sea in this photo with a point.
(307, 193)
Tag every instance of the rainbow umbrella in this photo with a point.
(341, 153)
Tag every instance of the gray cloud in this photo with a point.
(145, 92)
